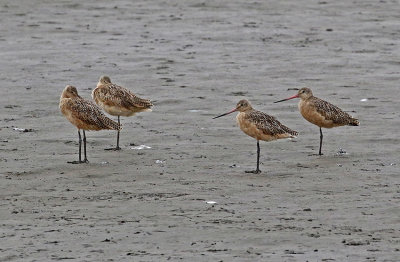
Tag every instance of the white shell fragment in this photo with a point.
(140, 147)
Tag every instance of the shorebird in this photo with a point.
(259, 126)
(321, 113)
(85, 115)
(118, 101)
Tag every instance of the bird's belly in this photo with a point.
(311, 115)
(117, 110)
(251, 129)
(79, 123)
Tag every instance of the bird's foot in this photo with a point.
(78, 162)
(113, 149)
(316, 154)
(258, 171)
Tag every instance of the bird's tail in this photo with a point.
(111, 124)
(293, 134)
(354, 122)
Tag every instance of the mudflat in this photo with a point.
(177, 190)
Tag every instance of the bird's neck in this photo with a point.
(247, 110)
(306, 98)
(66, 96)
(63, 95)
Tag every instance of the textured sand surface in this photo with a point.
(196, 59)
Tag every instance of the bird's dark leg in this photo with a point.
(80, 149)
(257, 171)
(85, 160)
(258, 157)
(116, 148)
(320, 141)
(80, 146)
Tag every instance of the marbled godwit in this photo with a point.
(321, 113)
(118, 101)
(259, 126)
(85, 115)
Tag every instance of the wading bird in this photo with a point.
(259, 126)
(118, 101)
(85, 115)
(321, 113)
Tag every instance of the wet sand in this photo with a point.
(196, 59)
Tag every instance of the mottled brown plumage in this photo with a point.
(118, 101)
(259, 126)
(84, 115)
(320, 112)
(262, 126)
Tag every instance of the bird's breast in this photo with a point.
(311, 114)
(249, 127)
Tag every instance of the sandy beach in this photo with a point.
(185, 196)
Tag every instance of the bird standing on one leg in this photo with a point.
(259, 126)
(118, 101)
(84, 115)
(321, 113)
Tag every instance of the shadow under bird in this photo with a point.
(321, 113)
(259, 126)
(85, 115)
(118, 101)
